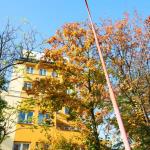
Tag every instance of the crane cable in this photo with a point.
(112, 96)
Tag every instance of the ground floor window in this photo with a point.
(42, 146)
(21, 146)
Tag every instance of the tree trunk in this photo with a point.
(95, 134)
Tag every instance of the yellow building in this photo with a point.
(33, 130)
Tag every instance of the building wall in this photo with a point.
(33, 133)
(13, 97)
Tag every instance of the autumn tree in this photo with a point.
(81, 85)
(126, 47)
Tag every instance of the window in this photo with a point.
(42, 72)
(54, 74)
(27, 85)
(42, 146)
(44, 119)
(21, 146)
(148, 115)
(69, 91)
(66, 110)
(25, 117)
(29, 70)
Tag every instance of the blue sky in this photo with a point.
(48, 15)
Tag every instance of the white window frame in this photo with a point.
(42, 145)
(66, 110)
(29, 70)
(69, 91)
(27, 85)
(42, 72)
(54, 74)
(25, 121)
(21, 143)
(44, 118)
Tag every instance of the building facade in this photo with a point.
(33, 129)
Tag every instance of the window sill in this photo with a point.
(48, 125)
(24, 123)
